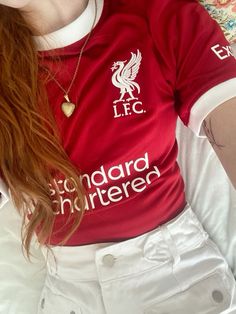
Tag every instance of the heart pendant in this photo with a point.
(68, 108)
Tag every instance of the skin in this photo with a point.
(15, 3)
(48, 15)
(220, 128)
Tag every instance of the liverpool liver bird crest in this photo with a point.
(124, 76)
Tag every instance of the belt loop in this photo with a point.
(51, 260)
(171, 244)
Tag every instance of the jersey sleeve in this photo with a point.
(198, 56)
(4, 195)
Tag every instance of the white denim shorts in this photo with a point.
(173, 269)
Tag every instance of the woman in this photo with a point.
(88, 149)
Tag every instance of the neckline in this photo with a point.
(72, 32)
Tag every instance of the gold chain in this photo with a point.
(69, 107)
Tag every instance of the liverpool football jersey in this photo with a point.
(146, 63)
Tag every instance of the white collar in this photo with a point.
(72, 32)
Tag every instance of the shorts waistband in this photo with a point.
(159, 246)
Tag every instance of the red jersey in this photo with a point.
(146, 63)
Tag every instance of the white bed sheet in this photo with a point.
(20, 281)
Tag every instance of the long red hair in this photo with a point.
(30, 147)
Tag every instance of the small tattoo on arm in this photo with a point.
(209, 133)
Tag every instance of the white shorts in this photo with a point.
(173, 269)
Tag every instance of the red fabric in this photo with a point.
(132, 142)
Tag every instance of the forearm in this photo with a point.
(220, 128)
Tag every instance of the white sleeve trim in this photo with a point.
(4, 197)
(208, 102)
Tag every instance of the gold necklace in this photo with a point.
(68, 107)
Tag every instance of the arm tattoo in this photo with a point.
(209, 133)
